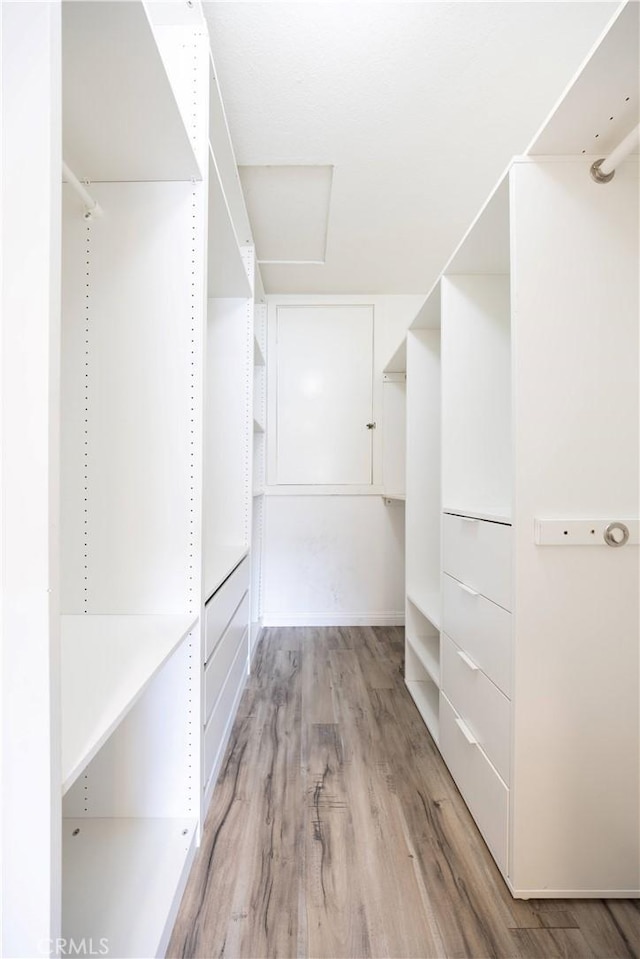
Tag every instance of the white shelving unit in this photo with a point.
(510, 667)
(131, 474)
(149, 407)
(228, 446)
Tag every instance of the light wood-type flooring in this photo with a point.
(336, 831)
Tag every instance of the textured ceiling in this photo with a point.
(418, 106)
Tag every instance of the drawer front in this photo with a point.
(478, 554)
(481, 628)
(224, 654)
(480, 704)
(223, 604)
(221, 718)
(482, 789)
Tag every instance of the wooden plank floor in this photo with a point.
(336, 831)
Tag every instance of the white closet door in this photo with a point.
(324, 394)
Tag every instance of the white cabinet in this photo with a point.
(531, 689)
(478, 554)
(484, 791)
(324, 397)
(479, 703)
(480, 627)
(223, 604)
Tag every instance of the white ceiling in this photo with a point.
(417, 106)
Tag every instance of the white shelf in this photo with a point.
(112, 72)
(107, 662)
(428, 603)
(398, 362)
(602, 99)
(426, 696)
(220, 565)
(258, 492)
(227, 273)
(485, 246)
(220, 140)
(428, 660)
(258, 355)
(428, 316)
(123, 880)
(257, 426)
(398, 497)
(492, 515)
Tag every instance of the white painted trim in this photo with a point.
(572, 893)
(334, 619)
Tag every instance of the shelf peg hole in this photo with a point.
(75, 831)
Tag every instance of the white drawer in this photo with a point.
(223, 604)
(482, 789)
(480, 704)
(215, 733)
(478, 554)
(479, 627)
(224, 654)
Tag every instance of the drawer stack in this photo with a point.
(476, 657)
(225, 664)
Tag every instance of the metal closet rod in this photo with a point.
(603, 170)
(92, 207)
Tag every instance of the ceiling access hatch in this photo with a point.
(288, 207)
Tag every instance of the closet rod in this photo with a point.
(603, 170)
(93, 208)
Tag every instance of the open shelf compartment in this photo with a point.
(426, 696)
(123, 880)
(107, 663)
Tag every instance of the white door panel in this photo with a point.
(324, 394)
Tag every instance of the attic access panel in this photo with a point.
(288, 208)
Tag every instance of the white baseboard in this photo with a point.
(334, 619)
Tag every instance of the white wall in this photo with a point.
(336, 555)
(333, 560)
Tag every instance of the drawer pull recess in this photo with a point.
(466, 732)
(467, 660)
(467, 589)
(468, 519)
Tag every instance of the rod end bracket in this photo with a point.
(598, 175)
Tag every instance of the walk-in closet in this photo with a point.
(320, 422)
